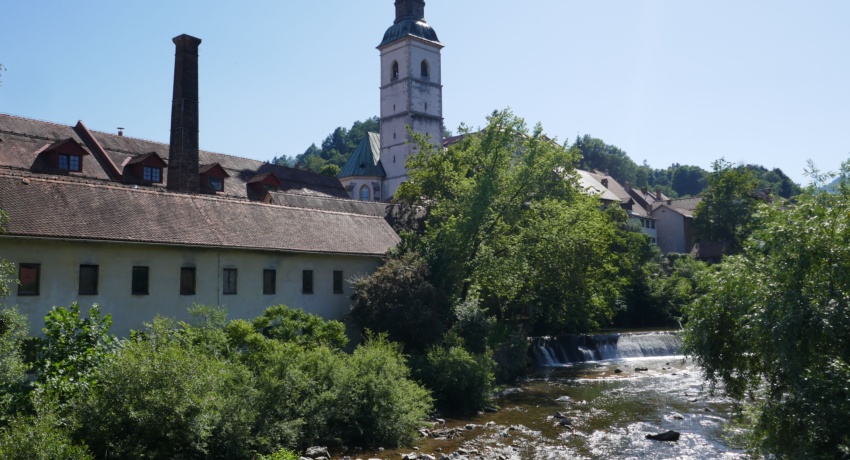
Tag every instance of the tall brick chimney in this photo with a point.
(183, 151)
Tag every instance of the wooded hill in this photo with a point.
(675, 181)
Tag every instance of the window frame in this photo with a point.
(148, 174)
(186, 288)
(70, 162)
(368, 191)
(31, 293)
(215, 180)
(269, 285)
(140, 289)
(92, 275)
(229, 281)
(338, 284)
(307, 282)
(394, 70)
(425, 69)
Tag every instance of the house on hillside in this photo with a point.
(638, 214)
(145, 228)
(674, 222)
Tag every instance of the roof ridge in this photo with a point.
(102, 183)
(34, 119)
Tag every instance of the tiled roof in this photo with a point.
(328, 204)
(22, 138)
(594, 187)
(58, 207)
(366, 159)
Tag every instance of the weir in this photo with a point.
(572, 349)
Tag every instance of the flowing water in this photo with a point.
(611, 403)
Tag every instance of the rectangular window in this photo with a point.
(269, 276)
(28, 277)
(140, 281)
(215, 183)
(69, 162)
(187, 281)
(152, 174)
(337, 281)
(88, 279)
(307, 282)
(229, 281)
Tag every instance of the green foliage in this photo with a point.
(41, 437)
(337, 146)
(7, 269)
(167, 401)
(289, 325)
(378, 404)
(728, 206)
(13, 331)
(330, 170)
(283, 454)
(461, 381)
(71, 349)
(596, 154)
(774, 327)
(473, 325)
(399, 299)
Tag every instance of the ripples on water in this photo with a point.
(610, 415)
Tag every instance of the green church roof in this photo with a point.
(366, 159)
(409, 26)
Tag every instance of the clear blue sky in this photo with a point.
(757, 81)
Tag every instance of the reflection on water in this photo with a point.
(608, 414)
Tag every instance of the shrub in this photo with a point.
(13, 331)
(285, 324)
(461, 381)
(39, 438)
(72, 348)
(167, 401)
(473, 325)
(377, 403)
(400, 300)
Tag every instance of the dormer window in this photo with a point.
(262, 184)
(71, 163)
(215, 184)
(152, 174)
(212, 178)
(146, 169)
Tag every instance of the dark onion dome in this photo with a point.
(417, 28)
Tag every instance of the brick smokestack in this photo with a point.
(183, 150)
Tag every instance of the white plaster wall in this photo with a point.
(59, 283)
(360, 181)
(670, 227)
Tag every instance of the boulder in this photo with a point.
(317, 452)
(665, 436)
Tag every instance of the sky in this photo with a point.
(758, 82)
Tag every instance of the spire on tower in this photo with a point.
(409, 9)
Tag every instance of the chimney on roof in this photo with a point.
(627, 186)
(606, 172)
(120, 131)
(658, 194)
(183, 175)
(644, 190)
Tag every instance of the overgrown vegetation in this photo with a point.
(210, 388)
(773, 326)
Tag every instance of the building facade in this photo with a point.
(144, 228)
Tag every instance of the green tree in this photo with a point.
(596, 154)
(505, 220)
(688, 180)
(728, 205)
(330, 170)
(13, 331)
(774, 327)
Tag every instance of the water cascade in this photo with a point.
(571, 349)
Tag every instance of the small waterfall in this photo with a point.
(554, 351)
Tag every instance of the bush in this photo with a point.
(167, 401)
(461, 382)
(13, 331)
(378, 404)
(399, 299)
(72, 348)
(473, 325)
(39, 438)
(285, 324)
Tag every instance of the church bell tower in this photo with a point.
(411, 89)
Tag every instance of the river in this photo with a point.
(610, 404)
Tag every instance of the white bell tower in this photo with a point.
(411, 89)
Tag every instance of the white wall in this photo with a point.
(59, 284)
(670, 227)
